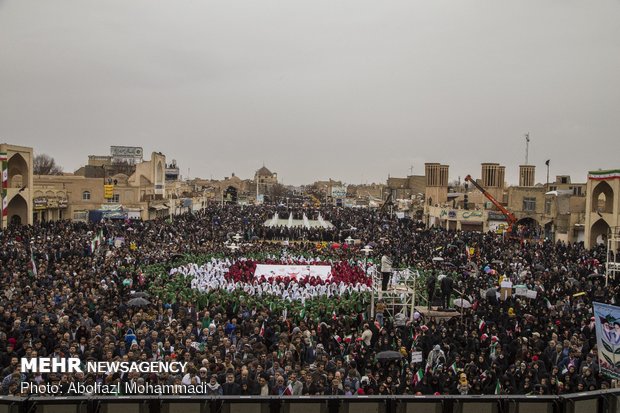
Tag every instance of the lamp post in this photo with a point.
(367, 250)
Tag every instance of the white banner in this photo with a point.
(298, 271)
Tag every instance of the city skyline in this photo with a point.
(355, 91)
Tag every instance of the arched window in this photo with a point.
(86, 196)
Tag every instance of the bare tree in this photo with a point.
(46, 165)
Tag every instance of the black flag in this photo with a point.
(547, 163)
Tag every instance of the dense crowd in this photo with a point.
(66, 296)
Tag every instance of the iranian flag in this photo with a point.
(482, 325)
(498, 388)
(32, 266)
(418, 377)
(262, 330)
(453, 367)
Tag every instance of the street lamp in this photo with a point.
(367, 250)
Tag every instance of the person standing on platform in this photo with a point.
(386, 271)
(430, 289)
(446, 291)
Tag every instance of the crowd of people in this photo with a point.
(66, 296)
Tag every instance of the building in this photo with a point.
(602, 206)
(264, 180)
(132, 189)
(407, 188)
(436, 191)
(555, 211)
(172, 171)
(17, 183)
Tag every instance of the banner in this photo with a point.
(298, 271)
(5, 182)
(607, 320)
(108, 191)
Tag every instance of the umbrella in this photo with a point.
(437, 259)
(595, 275)
(490, 293)
(539, 267)
(389, 355)
(441, 277)
(459, 302)
(138, 302)
(141, 294)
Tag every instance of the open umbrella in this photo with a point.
(462, 303)
(138, 302)
(389, 355)
(595, 275)
(441, 277)
(437, 259)
(140, 294)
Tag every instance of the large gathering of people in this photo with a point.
(66, 287)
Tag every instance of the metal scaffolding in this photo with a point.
(399, 297)
(612, 266)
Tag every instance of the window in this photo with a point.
(564, 180)
(577, 190)
(115, 199)
(529, 204)
(86, 195)
(548, 206)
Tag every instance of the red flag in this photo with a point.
(262, 330)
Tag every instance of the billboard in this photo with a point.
(607, 321)
(126, 151)
(339, 192)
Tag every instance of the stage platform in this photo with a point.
(434, 312)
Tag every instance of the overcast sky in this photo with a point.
(352, 90)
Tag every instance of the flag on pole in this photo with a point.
(262, 330)
(418, 377)
(32, 266)
(481, 325)
(498, 388)
(453, 367)
(288, 391)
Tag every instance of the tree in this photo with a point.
(46, 165)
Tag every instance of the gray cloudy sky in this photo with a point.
(353, 90)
